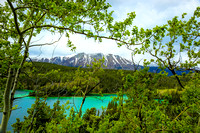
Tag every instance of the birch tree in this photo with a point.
(21, 20)
(175, 45)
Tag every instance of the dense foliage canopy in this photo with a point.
(21, 20)
(147, 108)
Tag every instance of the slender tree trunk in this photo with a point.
(80, 110)
(7, 106)
(17, 76)
(179, 81)
(174, 73)
(9, 93)
(20, 67)
(84, 97)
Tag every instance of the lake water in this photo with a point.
(26, 102)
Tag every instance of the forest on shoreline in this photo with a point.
(52, 79)
(173, 105)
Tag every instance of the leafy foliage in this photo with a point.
(21, 20)
(139, 112)
(169, 42)
(39, 115)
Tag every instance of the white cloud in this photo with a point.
(2, 2)
(149, 13)
(152, 12)
(82, 45)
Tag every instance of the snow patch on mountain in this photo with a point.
(83, 59)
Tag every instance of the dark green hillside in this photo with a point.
(45, 67)
(40, 75)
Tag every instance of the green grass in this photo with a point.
(168, 91)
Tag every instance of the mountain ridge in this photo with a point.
(111, 62)
(82, 59)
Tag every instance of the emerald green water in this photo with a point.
(24, 103)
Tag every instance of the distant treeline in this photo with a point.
(40, 75)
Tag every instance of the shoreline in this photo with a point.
(91, 94)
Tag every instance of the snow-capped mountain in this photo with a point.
(82, 59)
(111, 61)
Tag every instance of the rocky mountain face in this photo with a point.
(82, 59)
(111, 61)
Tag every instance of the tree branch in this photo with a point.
(78, 32)
(156, 57)
(15, 17)
(181, 113)
(22, 7)
(46, 43)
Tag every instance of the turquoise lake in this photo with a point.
(24, 103)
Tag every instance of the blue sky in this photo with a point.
(149, 13)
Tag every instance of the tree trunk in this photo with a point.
(9, 93)
(7, 106)
(174, 73)
(80, 110)
(20, 67)
(84, 97)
